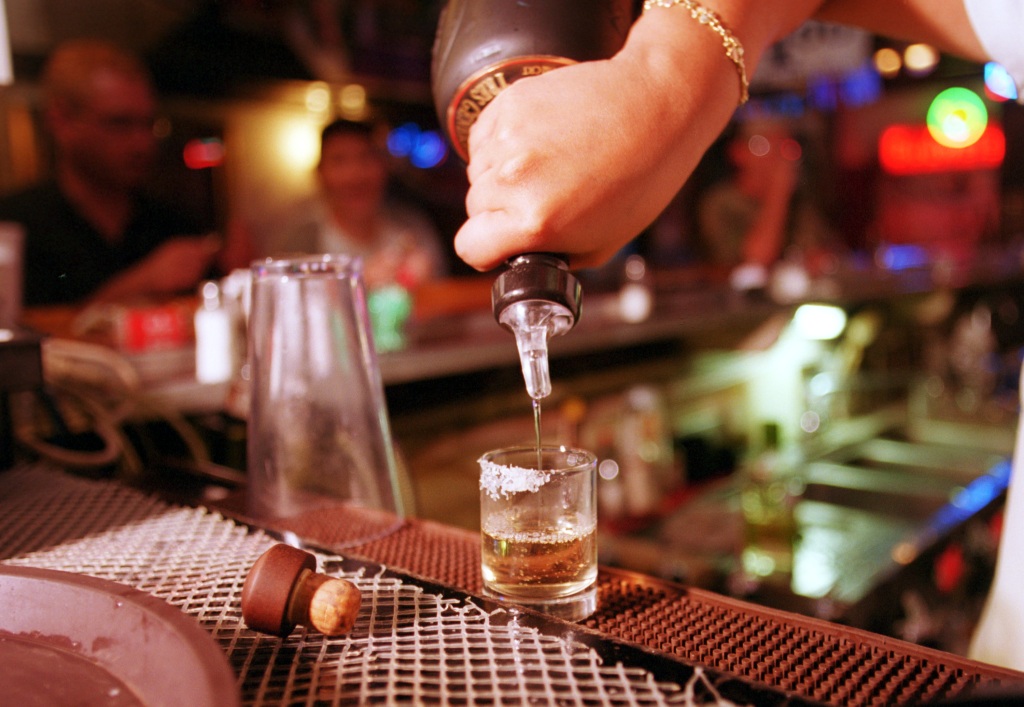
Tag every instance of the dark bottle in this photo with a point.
(483, 46)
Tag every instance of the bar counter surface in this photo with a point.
(425, 636)
(669, 636)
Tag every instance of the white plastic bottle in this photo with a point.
(215, 345)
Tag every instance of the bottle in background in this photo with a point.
(215, 341)
(769, 489)
(12, 243)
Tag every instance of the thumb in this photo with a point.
(488, 239)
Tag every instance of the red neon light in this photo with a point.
(203, 154)
(910, 149)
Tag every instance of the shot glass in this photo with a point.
(538, 522)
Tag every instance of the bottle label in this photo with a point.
(477, 91)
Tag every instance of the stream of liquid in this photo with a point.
(536, 430)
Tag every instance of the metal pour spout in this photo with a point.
(536, 298)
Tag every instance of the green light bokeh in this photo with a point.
(957, 117)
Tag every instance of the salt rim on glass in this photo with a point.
(499, 480)
(503, 480)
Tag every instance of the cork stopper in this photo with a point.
(283, 590)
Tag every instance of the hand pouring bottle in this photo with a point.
(482, 47)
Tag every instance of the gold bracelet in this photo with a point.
(733, 48)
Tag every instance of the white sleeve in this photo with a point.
(999, 25)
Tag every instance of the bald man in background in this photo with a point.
(92, 234)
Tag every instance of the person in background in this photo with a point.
(352, 215)
(92, 234)
(580, 160)
(761, 212)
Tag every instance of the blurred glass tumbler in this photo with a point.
(318, 425)
(538, 522)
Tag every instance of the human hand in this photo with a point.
(580, 159)
(562, 163)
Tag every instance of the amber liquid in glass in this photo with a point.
(544, 562)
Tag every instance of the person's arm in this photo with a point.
(943, 23)
(980, 30)
(764, 242)
(174, 267)
(581, 159)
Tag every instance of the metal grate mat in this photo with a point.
(414, 641)
(820, 661)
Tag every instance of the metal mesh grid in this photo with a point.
(408, 645)
(823, 662)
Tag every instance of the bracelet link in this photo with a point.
(704, 16)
